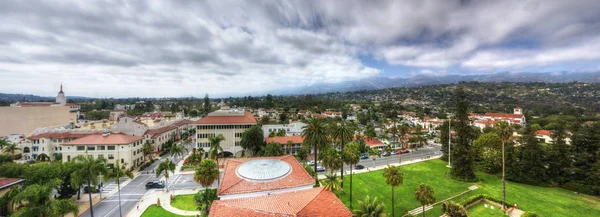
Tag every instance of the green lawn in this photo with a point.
(156, 211)
(480, 210)
(545, 201)
(184, 202)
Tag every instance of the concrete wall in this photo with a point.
(24, 120)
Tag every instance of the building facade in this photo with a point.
(115, 147)
(231, 123)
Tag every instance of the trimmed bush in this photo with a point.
(475, 198)
(529, 214)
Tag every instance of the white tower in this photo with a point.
(60, 98)
(517, 110)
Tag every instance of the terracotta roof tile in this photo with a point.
(283, 139)
(373, 142)
(310, 202)
(60, 135)
(231, 183)
(7, 182)
(503, 115)
(247, 118)
(543, 132)
(99, 139)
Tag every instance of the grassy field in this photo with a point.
(184, 202)
(480, 210)
(156, 211)
(545, 201)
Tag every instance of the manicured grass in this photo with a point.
(184, 202)
(545, 201)
(479, 210)
(156, 211)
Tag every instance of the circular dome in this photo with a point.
(263, 170)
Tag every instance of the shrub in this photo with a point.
(454, 209)
(5, 158)
(163, 153)
(475, 198)
(188, 166)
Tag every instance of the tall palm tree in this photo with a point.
(342, 133)
(177, 150)
(393, 177)
(215, 148)
(331, 159)
(504, 130)
(288, 146)
(147, 150)
(252, 139)
(424, 195)
(315, 136)
(403, 130)
(10, 148)
(370, 208)
(351, 156)
(117, 172)
(88, 171)
(206, 174)
(36, 200)
(332, 182)
(165, 166)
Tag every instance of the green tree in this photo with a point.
(147, 150)
(36, 201)
(559, 157)
(487, 150)
(531, 159)
(462, 158)
(453, 209)
(342, 133)
(302, 154)
(288, 146)
(252, 139)
(505, 131)
(205, 198)
(309, 170)
(332, 182)
(177, 150)
(331, 159)
(10, 148)
(393, 177)
(351, 156)
(370, 208)
(207, 105)
(272, 149)
(424, 195)
(206, 174)
(585, 170)
(117, 172)
(166, 167)
(88, 171)
(215, 148)
(315, 137)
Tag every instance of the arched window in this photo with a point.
(26, 150)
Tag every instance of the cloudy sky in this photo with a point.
(222, 47)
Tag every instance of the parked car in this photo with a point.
(359, 167)
(155, 184)
(403, 151)
(86, 189)
(364, 156)
(385, 154)
(320, 169)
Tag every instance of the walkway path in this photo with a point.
(419, 210)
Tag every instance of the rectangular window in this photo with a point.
(237, 143)
(80, 148)
(122, 161)
(91, 148)
(100, 156)
(111, 147)
(110, 156)
(101, 147)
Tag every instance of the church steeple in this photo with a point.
(61, 91)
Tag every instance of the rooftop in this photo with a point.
(110, 139)
(60, 135)
(310, 202)
(7, 182)
(228, 117)
(262, 174)
(285, 139)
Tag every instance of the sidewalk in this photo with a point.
(369, 169)
(152, 196)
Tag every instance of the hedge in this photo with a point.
(475, 198)
(529, 214)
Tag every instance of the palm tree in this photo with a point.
(404, 129)
(453, 209)
(351, 156)
(342, 133)
(10, 148)
(393, 177)
(504, 130)
(117, 172)
(88, 170)
(289, 145)
(215, 148)
(36, 201)
(252, 139)
(147, 150)
(177, 150)
(424, 195)
(206, 174)
(315, 136)
(165, 166)
(331, 159)
(332, 182)
(370, 208)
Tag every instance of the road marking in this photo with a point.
(122, 200)
(132, 194)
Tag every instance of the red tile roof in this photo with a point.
(60, 135)
(503, 115)
(310, 202)
(7, 182)
(543, 132)
(373, 142)
(284, 139)
(231, 183)
(247, 118)
(99, 139)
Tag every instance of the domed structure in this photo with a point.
(263, 169)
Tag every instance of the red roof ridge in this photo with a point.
(311, 200)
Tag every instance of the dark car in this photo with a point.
(359, 167)
(364, 156)
(86, 189)
(155, 184)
